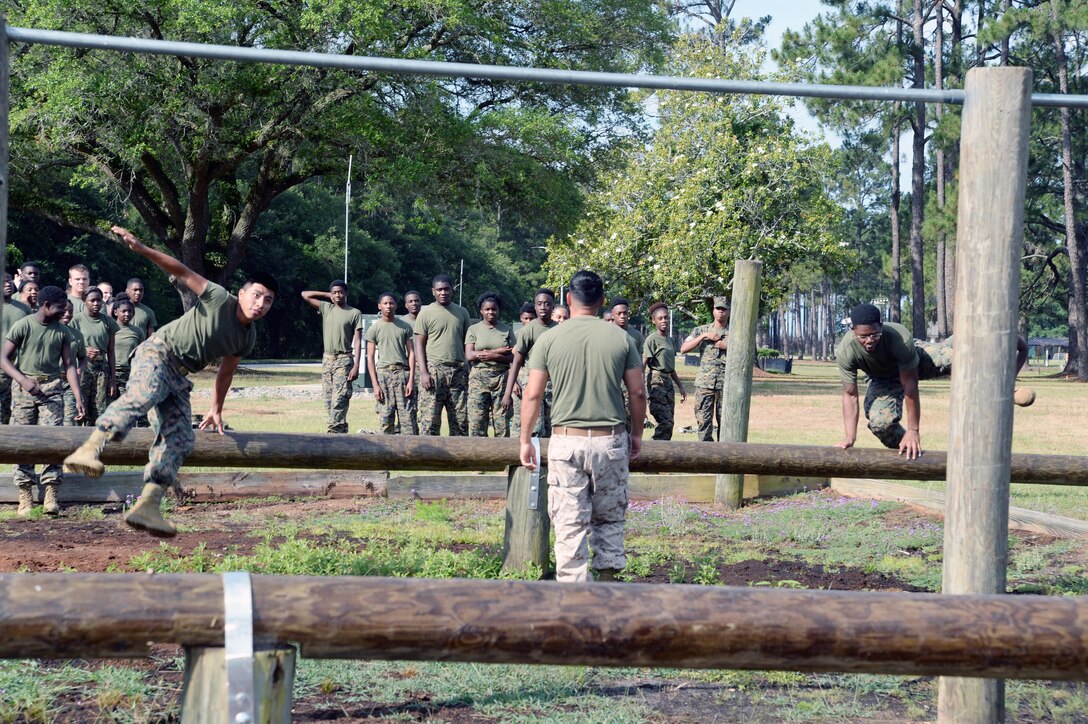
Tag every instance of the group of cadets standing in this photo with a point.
(65, 356)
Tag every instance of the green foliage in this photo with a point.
(767, 352)
(726, 177)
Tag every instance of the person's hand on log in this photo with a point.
(528, 456)
(213, 420)
(911, 445)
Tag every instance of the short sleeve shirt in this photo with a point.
(144, 317)
(38, 346)
(13, 312)
(444, 327)
(209, 330)
(586, 358)
(484, 337)
(78, 307)
(96, 331)
(711, 373)
(125, 342)
(637, 336)
(894, 353)
(77, 347)
(528, 335)
(338, 327)
(660, 353)
(390, 340)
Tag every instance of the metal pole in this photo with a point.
(507, 73)
(461, 285)
(347, 212)
(990, 224)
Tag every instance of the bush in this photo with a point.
(765, 352)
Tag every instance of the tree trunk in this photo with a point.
(918, 181)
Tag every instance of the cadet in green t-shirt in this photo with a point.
(125, 341)
(79, 358)
(28, 294)
(440, 353)
(79, 281)
(341, 334)
(143, 316)
(489, 348)
(98, 383)
(218, 326)
(621, 316)
(659, 355)
(543, 305)
(390, 357)
(895, 362)
(42, 347)
(28, 272)
(13, 312)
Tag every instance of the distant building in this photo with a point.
(1044, 350)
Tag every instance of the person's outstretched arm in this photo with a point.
(849, 414)
(911, 444)
(186, 276)
(223, 378)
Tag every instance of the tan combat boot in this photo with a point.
(1023, 396)
(51, 506)
(146, 515)
(26, 501)
(85, 458)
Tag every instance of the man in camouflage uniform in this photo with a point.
(440, 350)
(341, 333)
(659, 357)
(543, 304)
(894, 362)
(712, 342)
(390, 357)
(42, 347)
(588, 361)
(79, 357)
(13, 312)
(489, 347)
(220, 327)
(413, 303)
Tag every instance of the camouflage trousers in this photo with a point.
(449, 393)
(485, 388)
(393, 412)
(884, 396)
(587, 502)
(708, 412)
(160, 391)
(336, 389)
(69, 406)
(45, 408)
(5, 399)
(94, 385)
(543, 421)
(662, 401)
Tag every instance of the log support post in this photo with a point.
(528, 528)
(993, 163)
(204, 693)
(737, 387)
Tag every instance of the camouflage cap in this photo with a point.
(722, 302)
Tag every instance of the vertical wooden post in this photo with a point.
(204, 691)
(993, 173)
(737, 388)
(528, 528)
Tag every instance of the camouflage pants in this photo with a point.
(587, 501)
(336, 388)
(449, 393)
(157, 389)
(884, 396)
(5, 399)
(94, 385)
(543, 421)
(662, 403)
(485, 388)
(69, 407)
(708, 412)
(394, 410)
(411, 404)
(45, 408)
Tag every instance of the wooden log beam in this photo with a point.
(395, 452)
(529, 622)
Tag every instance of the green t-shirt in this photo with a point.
(637, 336)
(143, 317)
(528, 335)
(660, 353)
(390, 340)
(77, 347)
(485, 338)
(338, 327)
(13, 312)
(585, 358)
(78, 307)
(125, 342)
(895, 352)
(444, 328)
(209, 330)
(96, 331)
(39, 346)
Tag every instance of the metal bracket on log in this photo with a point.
(534, 479)
(238, 644)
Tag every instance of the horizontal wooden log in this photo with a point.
(205, 487)
(395, 452)
(105, 615)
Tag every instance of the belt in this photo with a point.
(394, 367)
(338, 354)
(44, 378)
(603, 431)
(448, 364)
